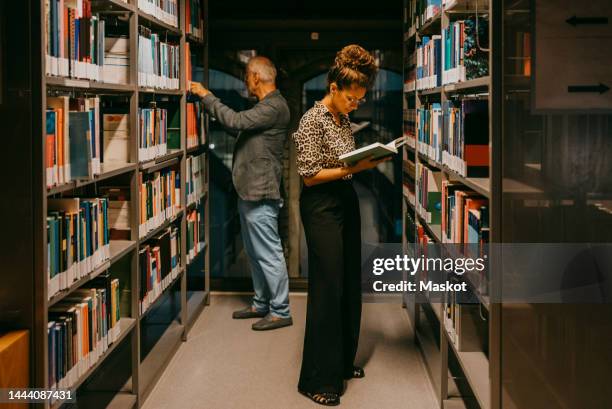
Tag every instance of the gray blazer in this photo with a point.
(258, 153)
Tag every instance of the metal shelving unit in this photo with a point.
(477, 369)
(144, 370)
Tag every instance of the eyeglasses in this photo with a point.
(354, 101)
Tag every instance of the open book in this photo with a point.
(376, 150)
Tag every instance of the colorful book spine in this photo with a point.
(153, 133)
(194, 16)
(428, 194)
(195, 175)
(429, 131)
(465, 137)
(159, 262)
(429, 63)
(158, 61)
(160, 194)
(78, 240)
(195, 234)
(81, 328)
(164, 10)
(74, 40)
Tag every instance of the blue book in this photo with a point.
(80, 145)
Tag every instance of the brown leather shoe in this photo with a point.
(248, 312)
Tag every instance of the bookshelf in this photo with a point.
(145, 340)
(461, 378)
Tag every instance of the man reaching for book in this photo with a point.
(256, 173)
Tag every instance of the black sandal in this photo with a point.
(357, 372)
(323, 398)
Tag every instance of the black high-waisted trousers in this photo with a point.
(332, 224)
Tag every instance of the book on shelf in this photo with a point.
(194, 17)
(375, 150)
(195, 109)
(116, 68)
(465, 55)
(159, 265)
(158, 61)
(80, 329)
(410, 77)
(78, 240)
(420, 12)
(153, 133)
(119, 213)
(429, 63)
(428, 194)
(164, 10)
(195, 177)
(195, 234)
(465, 218)
(422, 236)
(160, 198)
(429, 131)
(72, 139)
(466, 137)
(74, 39)
(116, 138)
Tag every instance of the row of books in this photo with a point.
(410, 72)
(428, 184)
(419, 12)
(195, 109)
(80, 329)
(453, 39)
(116, 137)
(160, 198)
(78, 240)
(194, 16)
(429, 131)
(465, 137)
(465, 215)
(116, 68)
(72, 139)
(429, 63)
(456, 135)
(74, 39)
(415, 232)
(119, 218)
(195, 234)
(455, 56)
(158, 61)
(164, 10)
(153, 133)
(464, 48)
(409, 134)
(159, 262)
(195, 177)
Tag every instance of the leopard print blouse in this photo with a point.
(320, 140)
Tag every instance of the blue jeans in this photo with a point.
(259, 226)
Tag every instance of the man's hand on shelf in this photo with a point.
(197, 89)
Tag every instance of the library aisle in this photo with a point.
(224, 364)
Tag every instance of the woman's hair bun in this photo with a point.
(357, 58)
(352, 65)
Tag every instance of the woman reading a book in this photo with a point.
(330, 213)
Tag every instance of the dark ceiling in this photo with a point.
(306, 9)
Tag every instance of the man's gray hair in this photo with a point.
(263, 67)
